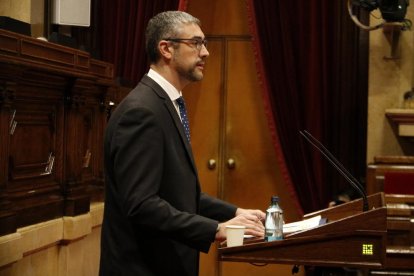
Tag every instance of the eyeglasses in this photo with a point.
(197, 42)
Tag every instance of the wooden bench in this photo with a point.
(394, 175)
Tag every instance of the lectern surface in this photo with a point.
(350, 238)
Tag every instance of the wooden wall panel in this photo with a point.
(53, 107)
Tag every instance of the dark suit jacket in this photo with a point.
(156, 220)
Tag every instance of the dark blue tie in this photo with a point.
(184, 117)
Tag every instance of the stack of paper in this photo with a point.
(301, 225)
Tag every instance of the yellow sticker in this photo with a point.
(367, 249)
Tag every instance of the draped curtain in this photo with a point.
(312, 63)
(122, 34)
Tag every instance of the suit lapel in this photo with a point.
(174, 115)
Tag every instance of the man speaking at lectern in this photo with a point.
(156, 219)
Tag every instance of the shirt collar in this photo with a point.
(172, 92)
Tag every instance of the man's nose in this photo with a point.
(204, 52)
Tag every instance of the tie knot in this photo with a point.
(180, 101)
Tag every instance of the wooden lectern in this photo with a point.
(349, 238)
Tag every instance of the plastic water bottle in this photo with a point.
(274, 221)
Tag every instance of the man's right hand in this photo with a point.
(254, 226)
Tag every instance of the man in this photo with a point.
(156, 219)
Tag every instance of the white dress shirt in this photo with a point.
(172, 92)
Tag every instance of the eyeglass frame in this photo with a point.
(197, 42)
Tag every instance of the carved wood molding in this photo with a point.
(16, 48)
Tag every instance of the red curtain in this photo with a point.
(312, 62)
(122, 34)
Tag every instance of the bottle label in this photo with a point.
(274, 224)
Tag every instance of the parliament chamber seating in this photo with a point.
(394, 175)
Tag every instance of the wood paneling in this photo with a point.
(53, 110)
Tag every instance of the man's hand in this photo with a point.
(258, 213)
(252, 219)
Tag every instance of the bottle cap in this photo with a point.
(275, 199)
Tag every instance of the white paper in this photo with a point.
(301, 225)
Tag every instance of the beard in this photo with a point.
(190, 73)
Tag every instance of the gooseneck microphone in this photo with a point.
(338, 166)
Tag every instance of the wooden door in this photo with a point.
(251, 173)
(232, 142)
(231, 139)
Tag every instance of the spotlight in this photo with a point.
(391, 11)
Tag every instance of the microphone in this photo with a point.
(338, 166)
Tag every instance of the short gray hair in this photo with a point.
(165, 25)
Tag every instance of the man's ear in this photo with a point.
(165, 49)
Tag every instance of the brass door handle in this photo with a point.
(231, 163)
(211, 164)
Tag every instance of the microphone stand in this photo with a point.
(338, 166)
